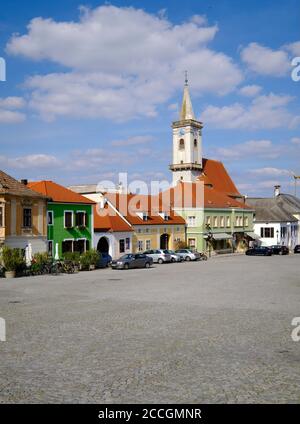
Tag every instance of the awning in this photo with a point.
(221, 236)
(252, 235)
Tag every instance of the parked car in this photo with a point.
(104, 260)
(158, 255)
(131, 260)
(188, 255)
(279, 250)
(259, 251)
(297, 248)
(175, 257)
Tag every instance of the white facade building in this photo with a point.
(277, 219)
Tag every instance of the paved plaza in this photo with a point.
(215, 331)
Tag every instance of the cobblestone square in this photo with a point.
(216, 331)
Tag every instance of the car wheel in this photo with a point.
(173, 260)
(160, 261)
(188, 258)
(126, 266)
(147, 265)
(280, 253)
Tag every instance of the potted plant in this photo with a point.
(13, 261)
(74, 258)
(89, 260)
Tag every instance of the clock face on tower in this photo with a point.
(181, 131)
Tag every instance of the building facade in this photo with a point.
(277, 219)
(69, 219)
(23, 219)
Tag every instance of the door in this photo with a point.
(164, 241)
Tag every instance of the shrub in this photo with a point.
(13, 259)
(88, 258)
(41, 258)
(72, 256)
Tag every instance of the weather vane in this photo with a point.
(186, 78)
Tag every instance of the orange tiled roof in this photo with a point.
(130, 205)
(58, 193)
(9, 185)
(216, 191)
(110, 222)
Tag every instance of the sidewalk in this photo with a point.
(225, 255)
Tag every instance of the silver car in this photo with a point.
(188, 255)
(175, 257)
(158, 256)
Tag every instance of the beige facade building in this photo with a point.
(22, 215)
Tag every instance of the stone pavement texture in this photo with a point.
(215, 331)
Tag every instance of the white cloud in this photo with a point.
(250, 90)
(255, 148)
(264, 112)
(266, 61)
(294, 48)
(275, 172)
(30, 161)
(122, 62)
(8, 114)
(295, 140)
(133, 141)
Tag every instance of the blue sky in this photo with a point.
(92, 88)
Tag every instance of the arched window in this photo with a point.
(181, 144)
(195, 142)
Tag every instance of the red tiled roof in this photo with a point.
(213, 189)
(110, 222)
(130, 205)
(218, 177)
(9, 185)
(58, 193)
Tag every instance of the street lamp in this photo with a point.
(209, 239)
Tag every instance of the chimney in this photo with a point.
(25, 182)
(276, 190)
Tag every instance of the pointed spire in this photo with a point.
(186, 108)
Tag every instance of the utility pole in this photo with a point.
(296, 177)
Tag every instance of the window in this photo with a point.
(80, 219)
(191, 221)
(50, 247)
(140, 245)
(67, 246)
(222, 221)
(246, 221)
(192, 242)
(68, 219)
(50, 217)
(27, 218)
(80, 246)
(127, 243)
(215, 221)
(181, 144)
(148, 244)
(1, 216)
(227, 221)
(238, 221)
(267, 232)
(122, 246)
(195, 143)
(208, 220)
(145, 216)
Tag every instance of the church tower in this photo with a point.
(187, 142)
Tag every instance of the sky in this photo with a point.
(92, 88)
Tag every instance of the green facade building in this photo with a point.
(69, 219)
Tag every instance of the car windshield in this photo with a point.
(128, 256)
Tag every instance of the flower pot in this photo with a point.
(92, 267)
(10, 274)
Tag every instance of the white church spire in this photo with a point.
(186, 108)
(187, 142)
